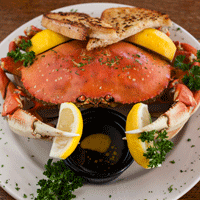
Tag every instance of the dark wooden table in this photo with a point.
(186, 13)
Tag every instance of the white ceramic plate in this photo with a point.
(22, 160)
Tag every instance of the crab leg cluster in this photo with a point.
(23, 122)
(186, 102)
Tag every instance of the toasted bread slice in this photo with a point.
(78, 25)
(128, 21)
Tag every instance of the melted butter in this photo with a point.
(96, 142)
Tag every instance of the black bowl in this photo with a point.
(115, 160)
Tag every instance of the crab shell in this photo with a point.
(121, 73)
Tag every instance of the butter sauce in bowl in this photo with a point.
(102, 155)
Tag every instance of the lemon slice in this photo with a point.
(45, 40)
(137, 118)
(70, 120)
(156, 41)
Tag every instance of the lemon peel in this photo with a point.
(45, 40)
(156, 41)
(137, 118)
(70, 119)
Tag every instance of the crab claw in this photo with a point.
(184, 94)
(31, 31)
(177, 116)
(12, 46)
(21, 121)
(25, 124)
(10, 66)
(4, 81)
(11, 103)
(185, 47)
(159, 124)
(172, 120)
(187, 50)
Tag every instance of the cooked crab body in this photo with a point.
(70, 73)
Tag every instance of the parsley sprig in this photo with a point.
(178, 62)
(60, 184)
(192, 78)
(26, 57)
(159, 147)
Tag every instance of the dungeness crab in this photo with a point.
(119, 73)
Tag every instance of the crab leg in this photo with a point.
(186, 101)
(21, 121)
(172, 120)
(31, 31)
(8, 63)
(25, 124)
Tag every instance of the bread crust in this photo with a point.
(71, 29)
(78, 25)
(128, 21)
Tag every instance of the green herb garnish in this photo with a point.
(60, 184)
(178, 62)
(170, 188)
(25, 45)
(192, 79)
(160, 147)
(26, 57)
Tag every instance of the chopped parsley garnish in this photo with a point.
(72, 10)
(178, 62)
(160, 146)
(25, 45)
(60, 184)
(170, 188)
(172, 161)
(192, 78)
(26, 57)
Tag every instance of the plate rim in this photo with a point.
(7, 189)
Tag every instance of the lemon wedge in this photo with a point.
(45, 40)
(137, 118)
(70, 120)
(156, 41)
